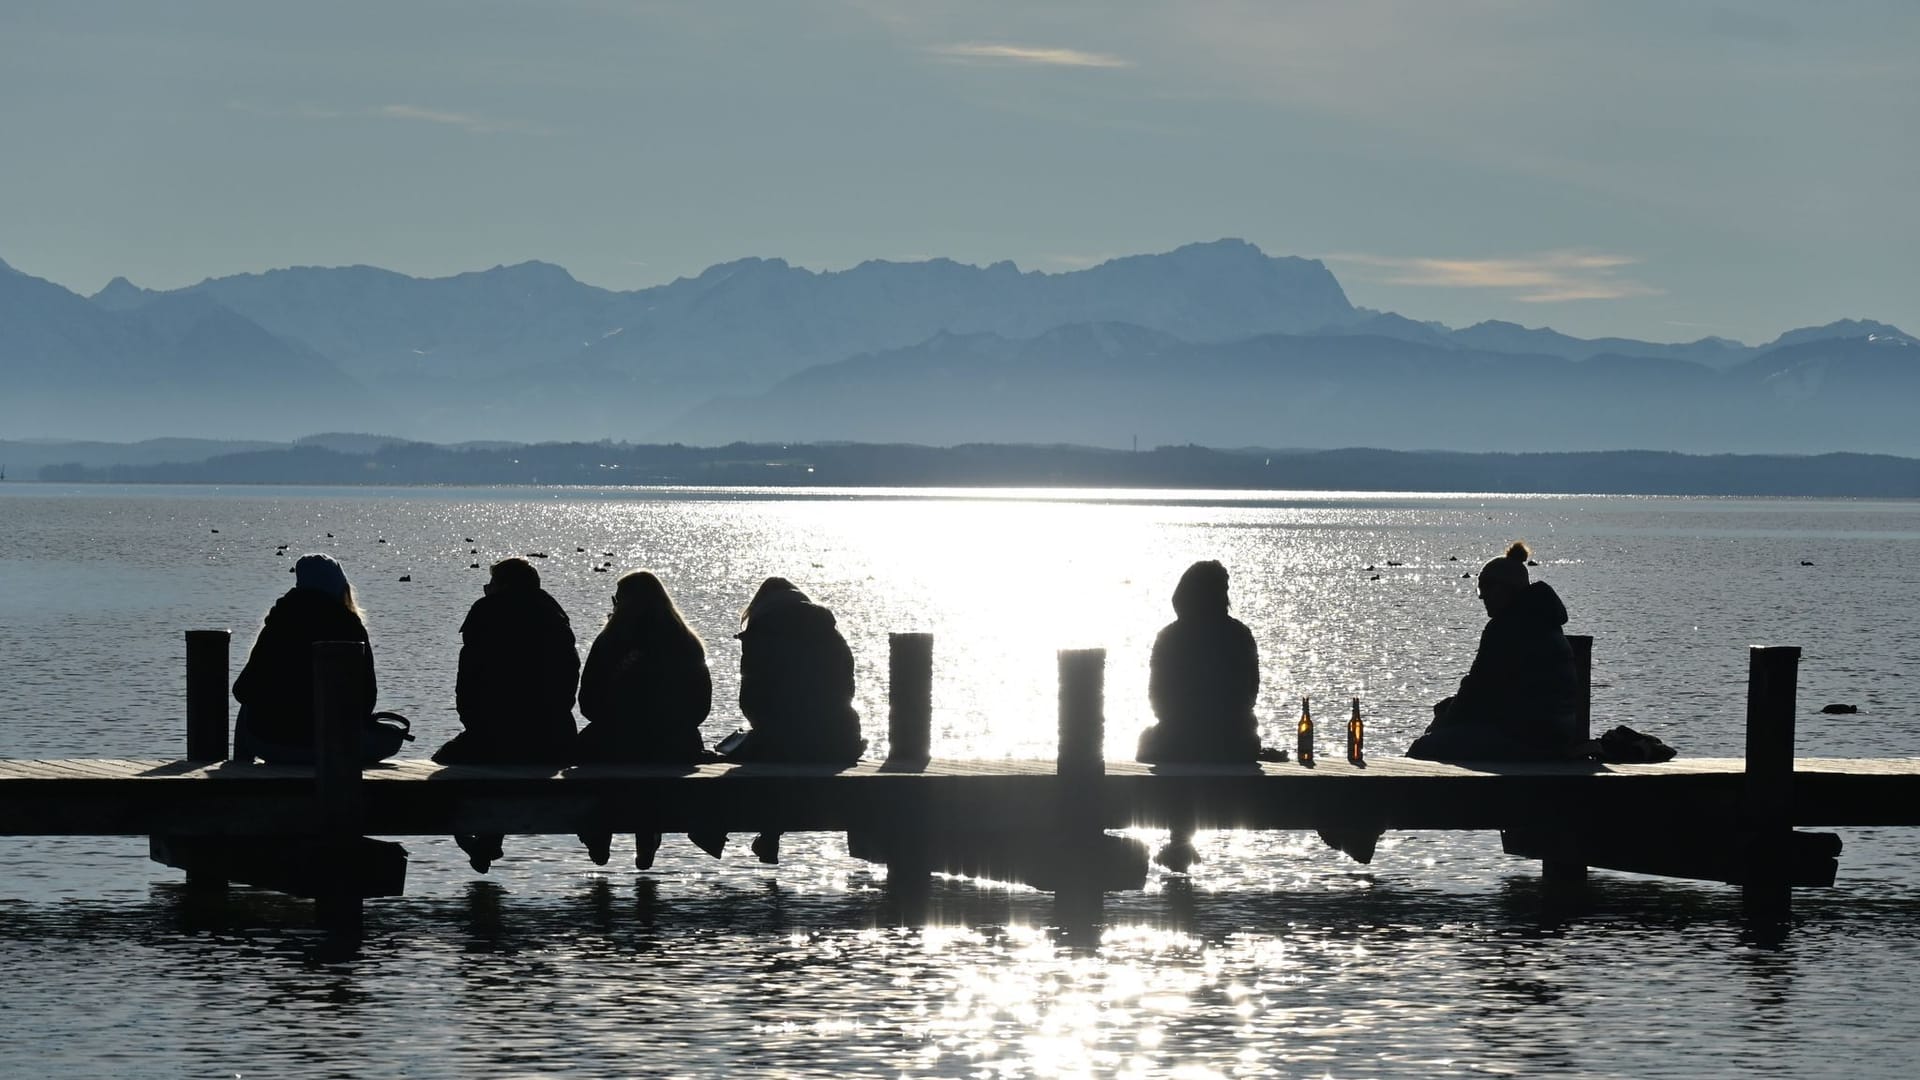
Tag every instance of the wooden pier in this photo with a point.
(1720, 819)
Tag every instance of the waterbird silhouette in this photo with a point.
(1839, 708)
(406, 577)
(216, 530)
(1803, 562)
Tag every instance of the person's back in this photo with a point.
(517, 676)
(515, 687)
(1204, 676)
(275, 688)
(796, 680)
(1518, 699)
(645, 688)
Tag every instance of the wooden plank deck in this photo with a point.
(417, 797)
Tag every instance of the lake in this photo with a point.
(1276, 956)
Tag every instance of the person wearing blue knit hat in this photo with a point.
(275, 689)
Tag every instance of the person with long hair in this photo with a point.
(275, 688)
(644, 691)
(796, 688)
(515, 686)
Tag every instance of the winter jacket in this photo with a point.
(1204, 677)
(796, 684)
(644, 696)
(276, 686)
(1518, 700)
(518, 673)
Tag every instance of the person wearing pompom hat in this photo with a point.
(1518, 701)
(275, 689)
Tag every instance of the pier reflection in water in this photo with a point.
(622, 974)
(1277, 957)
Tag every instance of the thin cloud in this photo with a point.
(479, 125)
(473, 122)
(1545, 278)
(979, 53)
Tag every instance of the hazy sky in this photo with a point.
(1654, 168)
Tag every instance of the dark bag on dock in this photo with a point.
(385, 733)
(1623, 745)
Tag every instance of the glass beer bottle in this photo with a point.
(1303, 753)
(1356, 736)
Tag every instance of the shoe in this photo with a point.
(478, 854)
(599, 847)
(766, 848)
(1357, 843)
(713, 843)
(1177, 856)
(644, 845)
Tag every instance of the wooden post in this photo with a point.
(909, 697)
(1565, 873)
(909, 747)
(1767, 798)
(339, 714)
(1080, 763)
(1083, 721)
(1583, 681)
(207, 694)
(206, 737)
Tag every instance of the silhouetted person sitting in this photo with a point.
(275, 689)
(1519, 699)
(1204, 677)
(514, 692)
(644, 691)
(796, 687)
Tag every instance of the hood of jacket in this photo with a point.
(516, 612)
(303, 605)
(1537, 603)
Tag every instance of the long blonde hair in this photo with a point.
(641, 601)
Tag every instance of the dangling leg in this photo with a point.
(599, 847)
(1179, 854)
(766, 847)
(644, 845)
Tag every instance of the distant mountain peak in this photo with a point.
(121, 295)
(1841, 329)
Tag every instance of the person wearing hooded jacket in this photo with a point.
(1518, 700)
(275, 688)
(515, 687)
(796, 688)
(1204, 676)
(644, 691)
(1203, 679)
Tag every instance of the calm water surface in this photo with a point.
(1277, 956)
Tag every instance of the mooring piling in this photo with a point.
(1766, 804)
(207, 694)
(1562, 874)
(905, 845)
(909, 697)
(339, 715)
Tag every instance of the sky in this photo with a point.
(1645, 168)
